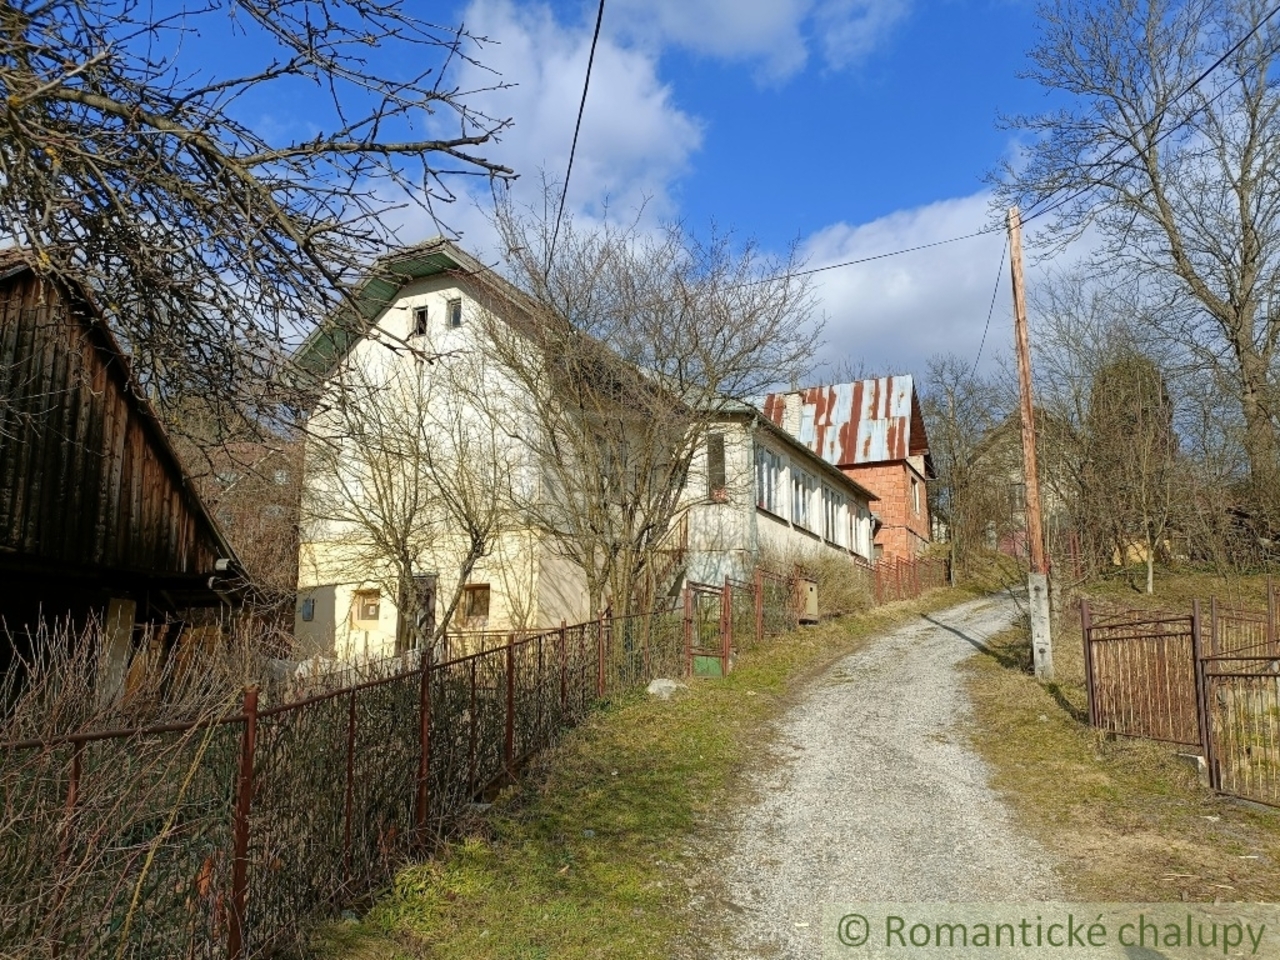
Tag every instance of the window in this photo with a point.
(834, 523)
(368, 605)
(309, 609)
(802, 486)
(715, 468)
(454, 311)
(768, 480)
(475, 604)
(915, 496)
(420, 321)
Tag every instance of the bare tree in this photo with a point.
(402, 484)
(1131, 464)
(211, 241)
(961, 409)
(1176, 169)
(631, 345)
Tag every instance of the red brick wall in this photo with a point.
(903, 531)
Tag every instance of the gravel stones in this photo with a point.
(871, 794)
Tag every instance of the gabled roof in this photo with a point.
(854, 424)
(333, 339)
(14, 266)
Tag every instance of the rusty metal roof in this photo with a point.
(867, 421)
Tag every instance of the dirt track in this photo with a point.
(873, 795)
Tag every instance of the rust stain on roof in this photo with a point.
(867, 421)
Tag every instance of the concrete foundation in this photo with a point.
(1041, 642)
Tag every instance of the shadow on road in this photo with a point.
(1012, 658)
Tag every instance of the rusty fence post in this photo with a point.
(67, 826)
(424, 744)
(509, 731)
(600, 655)
(240, 829)
(540, 691)
(1086, 633)
(473, 725)
(349, 798)
(1204, 716)
(726, 626)
(564, 673)
(688, 631)
(759, 604)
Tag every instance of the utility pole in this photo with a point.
(1038, 577)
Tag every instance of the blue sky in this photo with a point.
(852, 127)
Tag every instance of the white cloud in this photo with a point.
(777, 34)
(851, 29)
(635, 141)
(892, 314)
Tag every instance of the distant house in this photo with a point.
(1000, 502)
(756, 493)
(97, 517)
(873, 431)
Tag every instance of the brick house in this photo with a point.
(874, 432)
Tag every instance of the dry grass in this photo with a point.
(1175, 589)
(593, 854)
(1128, 819)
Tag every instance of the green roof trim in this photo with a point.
(334, 337)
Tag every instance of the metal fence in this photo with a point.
(904, 579)
(1208, 682)
(227, 835)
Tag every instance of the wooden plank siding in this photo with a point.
(87, 477)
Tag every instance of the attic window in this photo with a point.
(454, 309)
(419, 321)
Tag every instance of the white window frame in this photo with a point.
(834, 509)
(768, 480)
(802, 490)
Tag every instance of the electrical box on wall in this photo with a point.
(807, 600)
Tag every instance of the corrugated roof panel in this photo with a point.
(867, 421)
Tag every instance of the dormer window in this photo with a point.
(454, 312)
(419, 321)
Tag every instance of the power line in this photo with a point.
(879, 256)
(1031, 215)
(995, 290)
(577, 127)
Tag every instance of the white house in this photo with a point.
(756, 493)
(413, 458)
(421, 474)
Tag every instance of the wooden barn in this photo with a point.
(97, 516)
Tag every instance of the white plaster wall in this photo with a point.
(470, 395)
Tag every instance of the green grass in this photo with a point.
(589, 856)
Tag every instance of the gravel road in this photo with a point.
(869, 793)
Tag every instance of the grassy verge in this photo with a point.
(1175, 589)
(1128, 819)
(593, 855)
